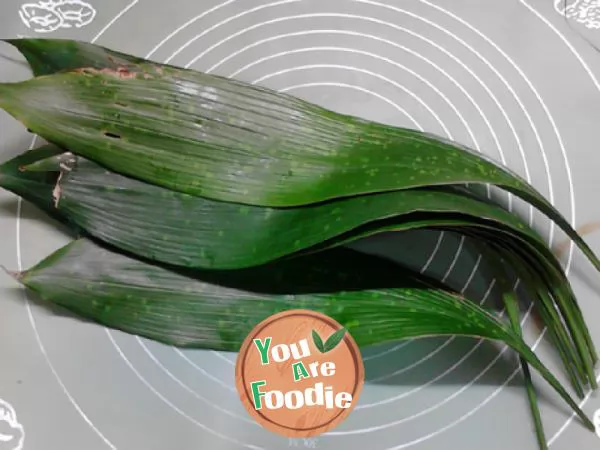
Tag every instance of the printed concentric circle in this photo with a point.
(418, 65)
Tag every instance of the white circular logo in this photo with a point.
(12, 434)
(48, 16)
(585, 12)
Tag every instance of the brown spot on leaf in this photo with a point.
(120, 72)
(57, 191)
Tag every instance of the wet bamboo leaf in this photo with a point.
(114, 208)
(193, 231)
(227, 140)
(212, 309)
(178, 134)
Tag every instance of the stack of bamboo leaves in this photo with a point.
(201, 205)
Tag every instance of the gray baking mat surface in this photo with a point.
(516, 79)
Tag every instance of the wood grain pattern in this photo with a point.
(289, 328)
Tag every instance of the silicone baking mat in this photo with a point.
(516, 79)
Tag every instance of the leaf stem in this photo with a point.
(512, 309)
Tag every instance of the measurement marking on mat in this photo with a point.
(304, 443)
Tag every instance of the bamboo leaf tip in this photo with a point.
(18, 276)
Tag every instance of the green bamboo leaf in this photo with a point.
(332, 282)
(82, 54)
(194, 133)
(212, 309)
(523, 258)
(192, 231)
(511, 304)
(554, 291)
(103, 58)
(318, 341)
(333, 340)
(551, 284)
(47, 56)
(186, 230)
